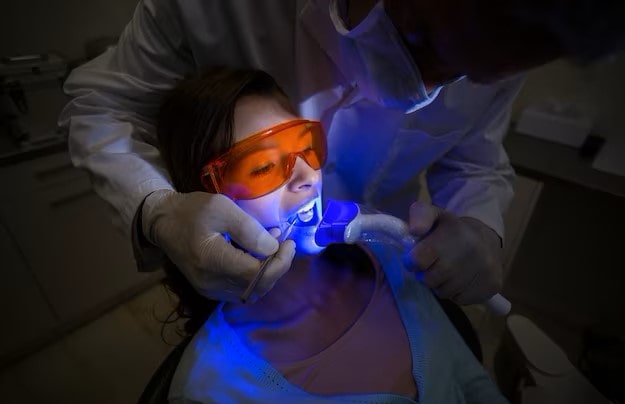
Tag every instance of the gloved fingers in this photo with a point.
(237, 266)
(422, 256)
(437, 276)
(451, 288)
(275, 232)
(278, 265)
(478, 290)
(422, 218)
(241, 227)
(470, 294)
(441, 281)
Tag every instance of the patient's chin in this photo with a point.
(304, 238)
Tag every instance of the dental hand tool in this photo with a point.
(349, 222)
(250, 288)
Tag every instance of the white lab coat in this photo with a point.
(375, 155)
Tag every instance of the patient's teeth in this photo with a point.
(305, 216)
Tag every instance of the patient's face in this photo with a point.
(300, 196)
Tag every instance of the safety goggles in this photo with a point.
(264, 162)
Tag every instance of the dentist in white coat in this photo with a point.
(403, 87)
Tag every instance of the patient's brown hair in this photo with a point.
(196, 119)
(195, 125)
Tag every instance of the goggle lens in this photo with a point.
(263, 162)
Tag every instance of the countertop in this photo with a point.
(538, 158)
(30, 151)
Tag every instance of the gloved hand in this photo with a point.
(189, 228)
(459, 258)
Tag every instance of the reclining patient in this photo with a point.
(346, 323)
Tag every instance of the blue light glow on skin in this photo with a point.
(303, 233)
(276, 208)
(300, 194)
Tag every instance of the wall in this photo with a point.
(36, 26)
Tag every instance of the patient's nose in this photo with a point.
(303, 176)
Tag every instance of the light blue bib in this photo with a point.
(217, 368)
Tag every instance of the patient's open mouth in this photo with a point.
(307, 212)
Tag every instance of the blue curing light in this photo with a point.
(336, 217)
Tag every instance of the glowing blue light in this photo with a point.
(337, 216)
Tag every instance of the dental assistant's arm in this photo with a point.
(112, 135)
(117, 96)
(471, 186)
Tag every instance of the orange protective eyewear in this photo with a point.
(263, 162)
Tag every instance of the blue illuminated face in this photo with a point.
(299, 197)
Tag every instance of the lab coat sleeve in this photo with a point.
(116, 98)
(474, 179)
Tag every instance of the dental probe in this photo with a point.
(250, 288)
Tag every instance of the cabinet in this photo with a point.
(67, 262)
(27, 314)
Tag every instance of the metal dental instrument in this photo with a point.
(250, 288)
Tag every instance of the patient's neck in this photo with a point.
(308, 309)
(313, 283)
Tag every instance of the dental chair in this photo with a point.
(157, 388)
(531, 369)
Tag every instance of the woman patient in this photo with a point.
(344, 324)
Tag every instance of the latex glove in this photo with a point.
(189, 228)
(459, 258)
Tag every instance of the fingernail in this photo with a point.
(267, 245)
(275, 232)
(428, 257)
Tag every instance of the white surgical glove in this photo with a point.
(189, 228)
(458, 257)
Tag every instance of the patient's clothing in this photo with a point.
(373, 355)
(370, 360)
